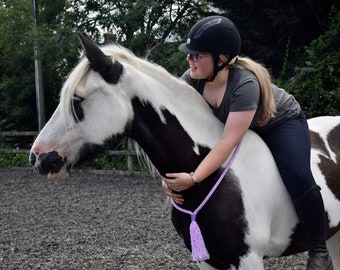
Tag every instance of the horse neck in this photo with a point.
(171, 146)
(172, 123)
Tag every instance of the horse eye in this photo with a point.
(77, 110)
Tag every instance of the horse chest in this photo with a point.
(223, 227)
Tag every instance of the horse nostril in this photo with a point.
(50, 162)
(32, 159)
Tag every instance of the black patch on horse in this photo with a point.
(153, 136)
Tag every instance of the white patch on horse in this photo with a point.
(319, 126)
(196, 149)
(270, 234)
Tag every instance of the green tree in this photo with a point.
(148, 28)
(275, 32)
(16, 66)
(316, 83)
(58, 55)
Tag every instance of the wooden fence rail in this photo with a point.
(129, 152)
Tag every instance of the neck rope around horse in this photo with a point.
(198, 249)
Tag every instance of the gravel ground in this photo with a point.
(92, 221)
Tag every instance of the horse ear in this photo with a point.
(109, 70)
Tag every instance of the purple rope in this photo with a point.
(199, 251)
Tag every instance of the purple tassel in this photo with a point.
(198, 249)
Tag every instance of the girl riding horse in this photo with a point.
(113, 94)
(241, 94)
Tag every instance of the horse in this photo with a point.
(111, 94)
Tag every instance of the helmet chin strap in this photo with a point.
(218, 68)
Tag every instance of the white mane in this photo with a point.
(161, 89)
(124, 56)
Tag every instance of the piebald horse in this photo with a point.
(111, 94)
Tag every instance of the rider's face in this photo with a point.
(201, 65)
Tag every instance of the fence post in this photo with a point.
(38, 71)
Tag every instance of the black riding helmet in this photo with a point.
(214, 34)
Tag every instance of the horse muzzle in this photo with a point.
(50, 163)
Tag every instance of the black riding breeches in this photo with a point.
(290, 145)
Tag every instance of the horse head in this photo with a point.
(84, 122)
(110, 94)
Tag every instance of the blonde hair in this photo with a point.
(267, 102)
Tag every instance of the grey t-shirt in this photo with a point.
(243, 93)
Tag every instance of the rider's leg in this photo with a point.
(290, 145)
(310, 210)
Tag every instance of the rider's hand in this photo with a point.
(177, 198)
(178, 181)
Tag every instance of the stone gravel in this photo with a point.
(92, 221)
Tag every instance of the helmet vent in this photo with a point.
(206, 26)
